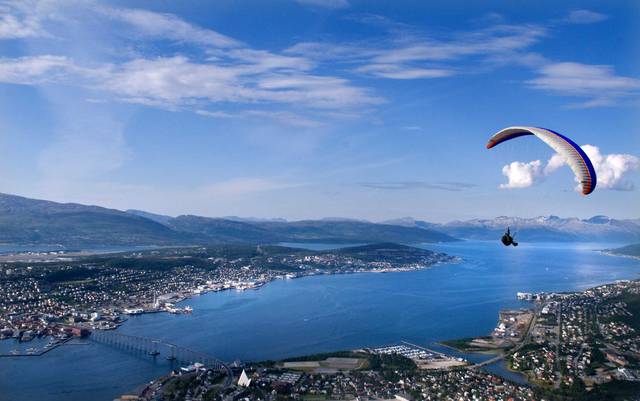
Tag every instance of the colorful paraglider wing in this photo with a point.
(569, 150)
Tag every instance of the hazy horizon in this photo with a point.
(329, 218)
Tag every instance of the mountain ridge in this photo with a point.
(25, 221)
(540, 228)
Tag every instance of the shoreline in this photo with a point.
(608, 252)
(188, 294)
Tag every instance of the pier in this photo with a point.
(38, 352)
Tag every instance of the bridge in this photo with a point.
(155, 348)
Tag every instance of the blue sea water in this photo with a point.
(323, 313)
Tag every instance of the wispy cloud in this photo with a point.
(17, 23)
(599, 84)
(281, 117)
(450, 186)
(243, 186)
(168, 27)
(230, 72)
(394, 71)
(33, 70)
(585, 17)
(408, 54)
(334, 4)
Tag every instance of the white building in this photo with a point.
(244, 380)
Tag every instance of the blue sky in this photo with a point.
(316, 108)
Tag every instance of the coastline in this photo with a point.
(289, 276)
(187, 294)
(423, 293)
(608, 252)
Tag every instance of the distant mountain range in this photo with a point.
(544, 228)
(25, 221)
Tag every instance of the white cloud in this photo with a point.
(14, 27)
(393, 71)
(177, 81)
(227, 72)
(598, 83)
(554, 163)
(409, 55)
(285, 118)
(522, 175)
(173, 82)
(34, 70)
(585, 17)
(325, 3)
(167, 26)
(280, 117)
(611, 170)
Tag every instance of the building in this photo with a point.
(244, 380)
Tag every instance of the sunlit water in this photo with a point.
(323, 313)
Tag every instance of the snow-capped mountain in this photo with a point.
(543, 228)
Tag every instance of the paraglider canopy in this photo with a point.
(565, 147)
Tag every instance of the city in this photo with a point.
(564, 351)
(319, 200)
(45, 297)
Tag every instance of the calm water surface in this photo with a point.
(323, 313)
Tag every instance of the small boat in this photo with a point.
(171, 358)
(154, 353)
(188, 309)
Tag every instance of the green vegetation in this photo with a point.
(615, 390)
(392, 367)
(323, 356)
(69, 275)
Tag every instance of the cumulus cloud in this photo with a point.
(522, 175)
(611, 170)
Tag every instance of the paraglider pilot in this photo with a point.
(507, 239)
